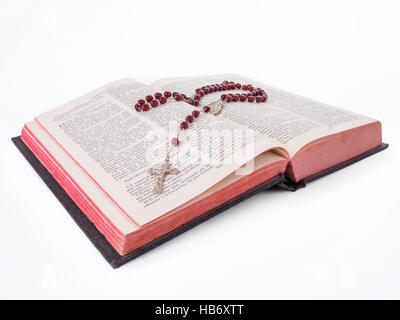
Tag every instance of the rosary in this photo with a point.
(253, 95)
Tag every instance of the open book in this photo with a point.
(100, 150)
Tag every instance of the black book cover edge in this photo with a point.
(109, 253)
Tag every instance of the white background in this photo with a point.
(338, 238)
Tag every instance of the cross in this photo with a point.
(165, 170)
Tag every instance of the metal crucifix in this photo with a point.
(162, 172)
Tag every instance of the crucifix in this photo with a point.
(162, 172)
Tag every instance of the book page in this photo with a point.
(79, 179)
(115, 146)
(286, 118)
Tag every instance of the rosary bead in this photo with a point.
(259, 99)
(178, 97)
(158, 95)
(238, 85)
(138, 107)
(154, 103)
(149, 98)
(236, 97)
(189, 118)
(184, 125)
(206, 90)
(141, 101)
(244, 87)
(229, 98)
(195, 103)
(175, 142)
(223, 96)
(163, 100)
(206, 109)
(201, 93)
(265, 98)
(243, 97)
(224, 87)
(195, 113)
(197, 97)
(251, 98)
(167, 94)
(145, 107)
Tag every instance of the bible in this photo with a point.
(117, 174)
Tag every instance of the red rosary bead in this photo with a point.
(141, 101)
(158, 95)
(206, 109)
(196, 113)
(138, 107)
(145, 107)
(184, 125)
(149, 98)
(154, 103)
(175, 142)
(167, 94)
(189, 118)
(163, 100)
